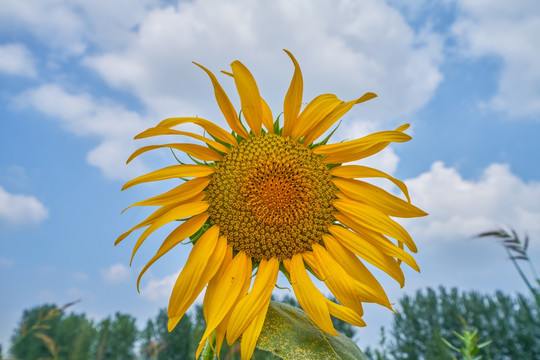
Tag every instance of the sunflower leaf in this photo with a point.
(290, 334)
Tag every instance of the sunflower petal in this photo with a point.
(156, 131)
(227, 291)
(378, 240)
(178, 195)
(352, 265)
(318, 129)
(198, 151)
(361, 148)
(346, 314)
(378, 198)
(203, 262)
(359, 171)
(309, 297)
(252, 332)
(250, 98)
(252, 304)
(347, 290)
(209, 126)
(225, 105)
(368, 252)
(313, 113)
(178, 212)
(267, 118)
(293, 99)
(149, 220)
(171, 172)
(375, 220)
(186, 229)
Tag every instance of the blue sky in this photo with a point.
(78, 79)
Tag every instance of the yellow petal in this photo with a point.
(378, 240)
(171, 172)
(318, 129)
(227, 291)
(185, 230)
(225, 105)
(309, 297)
(378, 198)
(178, 195)
(346, 289)
(293, 99)
(155, 131)
(178, 212)
(375, 220)
(313, 113)
(250, 97)
(360, 148)
(359, 171)
(346, 314)
(352, 265)
(149, 220)
(250, 336)
(252, 304)
(198, 151)
(368, 252)
(209, 126)
(267, 118)
(203, 262)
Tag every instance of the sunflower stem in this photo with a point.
(208, 352)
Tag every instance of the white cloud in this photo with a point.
(83, 115)
(69, 26)
(463, 208)
(18, 210)
(343, 47)
(159, 290)
(16, 59)
(116, 273)
(509, 31)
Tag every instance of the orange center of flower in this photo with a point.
(271, 197)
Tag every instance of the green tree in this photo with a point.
(174, 345)
(116, 338)
(512, 322)
(46, 329)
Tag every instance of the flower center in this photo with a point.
(271, 197)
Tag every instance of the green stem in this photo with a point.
(208, 352)
(520, 271)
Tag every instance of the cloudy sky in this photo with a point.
(79, 78)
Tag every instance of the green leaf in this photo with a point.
(290, 334)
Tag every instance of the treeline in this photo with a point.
(512, 323)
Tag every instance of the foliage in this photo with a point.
(512, 322)
(469, 339)
(116, 338)
(46, 332)
(292, 335)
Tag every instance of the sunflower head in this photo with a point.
(273, 199)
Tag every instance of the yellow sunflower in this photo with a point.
(270, 200)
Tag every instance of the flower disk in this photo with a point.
(271, 197)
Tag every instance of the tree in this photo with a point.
(46, 331)
(511, 322)
(116, 338)
(174, 345)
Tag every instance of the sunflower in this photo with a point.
(271, 200)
